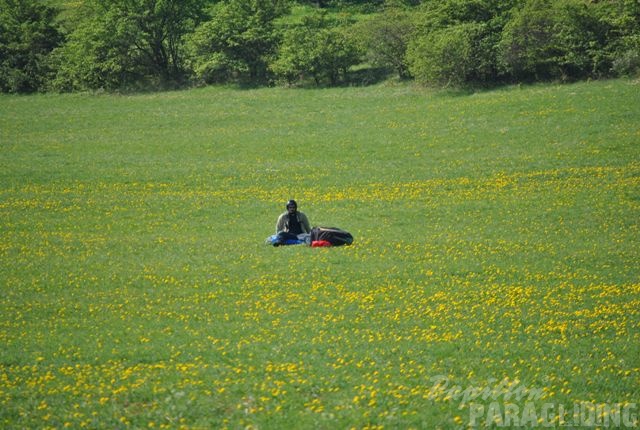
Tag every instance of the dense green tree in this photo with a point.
(237, 41)
(132, 44)
(341, 4)
(28, 34)
(455, 41)
(562, 39)
(445, 57)
(161, 26)
(386, 37)
(626, 61)
(436, 14)
(317, 48)
(124, 43)
(527, 48)
(98, 55)
(621, 20)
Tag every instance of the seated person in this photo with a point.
(293, 223)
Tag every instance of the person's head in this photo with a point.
(292, 206)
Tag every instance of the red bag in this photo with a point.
(319, 243)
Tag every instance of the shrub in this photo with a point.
(98, 55)
(445, 57)
(28, 35)
(553, 40)
(627, 62)
(236, 42)
(316, 49)
(621, 53)
(527, 48)
(386, 38)
(127, 43)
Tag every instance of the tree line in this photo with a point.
(116, 45)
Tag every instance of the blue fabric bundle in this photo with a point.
(278, 240)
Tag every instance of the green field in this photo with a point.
(496, 250)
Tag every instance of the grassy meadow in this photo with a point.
(496, 250)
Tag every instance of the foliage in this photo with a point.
(445, 56)
(121, 43)
(237, 41)
(473, 26)
(386, 38)
(98, 54)
(527, 45)
(627, 62)
(161, 26)
(568, 39)
(548, 40)
(622, 49)
(28, 34)
(316, 49)
(132, 44)
(369, 5)
(529, 40)
(437, 14)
